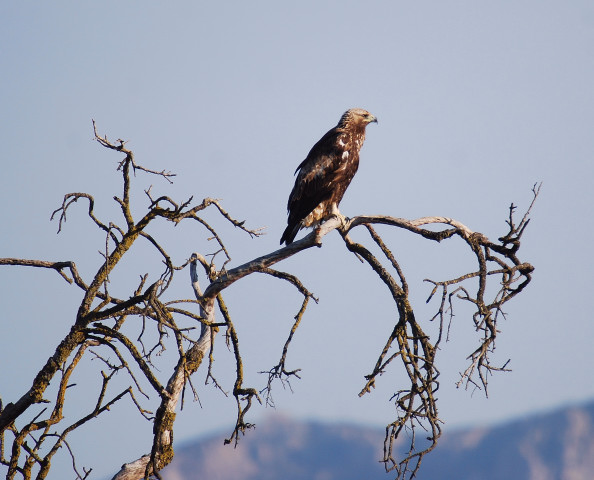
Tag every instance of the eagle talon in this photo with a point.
(342, 219)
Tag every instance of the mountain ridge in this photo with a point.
(558, 444)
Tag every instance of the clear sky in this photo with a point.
(476, 102)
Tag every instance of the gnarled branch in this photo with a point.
(101, 316)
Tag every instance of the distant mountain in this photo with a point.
(556, 445)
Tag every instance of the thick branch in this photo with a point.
(314, 239)
(162, 450)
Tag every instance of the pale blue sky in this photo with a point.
(476, 102)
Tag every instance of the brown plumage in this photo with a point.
(325, 174)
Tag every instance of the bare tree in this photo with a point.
(27, 450)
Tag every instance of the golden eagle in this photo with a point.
(326, 173)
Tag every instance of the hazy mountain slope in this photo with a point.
(556, 445)
(280, 448)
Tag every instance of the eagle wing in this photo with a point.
(322, 177)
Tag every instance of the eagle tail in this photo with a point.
(290, 233)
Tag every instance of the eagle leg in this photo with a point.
(334, 212)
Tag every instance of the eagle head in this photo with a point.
(357, 116)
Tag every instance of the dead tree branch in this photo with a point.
(101, 316)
